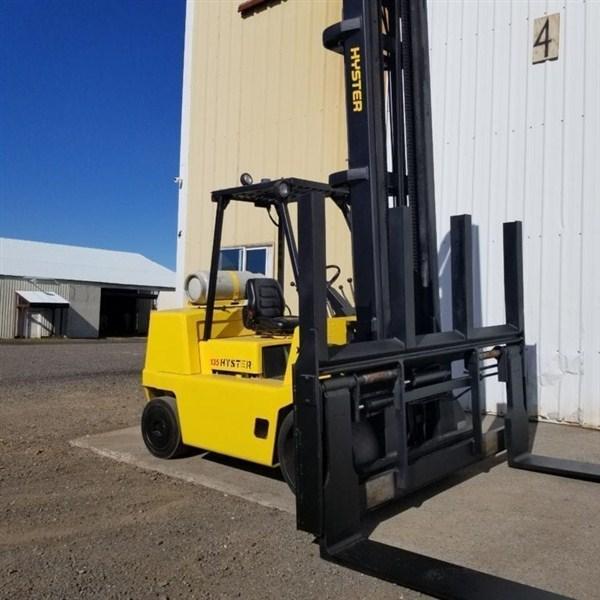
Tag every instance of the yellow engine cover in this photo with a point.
(225, 403)
(242, 355)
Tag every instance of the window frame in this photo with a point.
(244, 256)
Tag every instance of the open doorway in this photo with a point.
(125, 312)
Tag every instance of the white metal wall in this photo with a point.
(515, 140)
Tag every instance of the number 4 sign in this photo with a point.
(546, 33)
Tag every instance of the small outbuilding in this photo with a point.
(71, 291)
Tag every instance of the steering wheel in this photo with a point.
(335, 276)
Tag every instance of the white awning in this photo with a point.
(37, 297)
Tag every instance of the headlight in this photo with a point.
(246, 179)
(284, 189)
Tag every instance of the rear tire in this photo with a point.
(286, 450)
(160, 429)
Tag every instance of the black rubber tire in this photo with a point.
(160, 429)
(286, 451)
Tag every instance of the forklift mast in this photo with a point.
(390, 155)
(379, 417)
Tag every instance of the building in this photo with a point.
(57, 290)
(514, 139)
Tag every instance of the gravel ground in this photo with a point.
(76, 525)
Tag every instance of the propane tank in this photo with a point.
(231, 285)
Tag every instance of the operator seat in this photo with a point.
(265, 308)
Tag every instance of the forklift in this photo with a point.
(236, 342)
(360, 405)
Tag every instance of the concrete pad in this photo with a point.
(528, 527)
(237, 478)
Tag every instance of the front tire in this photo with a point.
(286, 450)
(160, 429)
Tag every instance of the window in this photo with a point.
(231, 259)
(256, 259)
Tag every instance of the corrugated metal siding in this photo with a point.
(520, 141)
(8, 300)
(512, 141)
(84, 305)
(265, 98)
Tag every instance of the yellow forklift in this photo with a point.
(384, 401)
(218, 373)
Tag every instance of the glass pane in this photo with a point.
(256, 260)
(230, 259)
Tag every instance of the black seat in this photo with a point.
(265, 308)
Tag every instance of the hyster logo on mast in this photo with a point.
(356, 75)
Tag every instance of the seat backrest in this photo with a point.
(265, 300)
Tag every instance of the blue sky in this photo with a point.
(90, 111)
